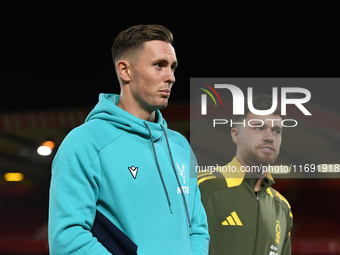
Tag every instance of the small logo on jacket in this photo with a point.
(133, 170)
(274, 252)
(181, 171)
(232, 220)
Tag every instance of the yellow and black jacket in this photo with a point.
(240, 220)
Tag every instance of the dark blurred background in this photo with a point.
(56, 59)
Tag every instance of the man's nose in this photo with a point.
(268, 136)
(170, 76)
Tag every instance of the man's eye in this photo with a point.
(159, 65)
(277, 131)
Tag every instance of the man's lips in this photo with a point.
(165, 92)
(267, 149)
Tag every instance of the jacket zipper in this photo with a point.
(257, 220)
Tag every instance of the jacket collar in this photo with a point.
(234, 174)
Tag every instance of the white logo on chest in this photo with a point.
(181, 171)
(133, 170)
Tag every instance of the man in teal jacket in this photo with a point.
(245, 214)
(121, 182)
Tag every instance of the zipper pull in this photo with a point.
(257, 197)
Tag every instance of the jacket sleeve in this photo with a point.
(73, 195)
(287, 247)
(199, 227)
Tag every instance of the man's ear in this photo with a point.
(235, 135)
(123, 70)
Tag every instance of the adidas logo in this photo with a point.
(232, 220)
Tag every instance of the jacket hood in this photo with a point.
(107, 109)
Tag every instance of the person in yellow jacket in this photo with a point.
(245, 214)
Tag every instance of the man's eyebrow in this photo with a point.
(276, 127)
(254, 122)
(265, 125)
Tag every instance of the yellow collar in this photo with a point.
(234, 174)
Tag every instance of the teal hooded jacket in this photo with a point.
(138, 175)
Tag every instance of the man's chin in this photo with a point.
(160, 106)
(163, 103)
(268, 160)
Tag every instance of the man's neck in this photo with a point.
(258, 184)
(137, 111)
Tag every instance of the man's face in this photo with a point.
(152, 75)
(258, 145)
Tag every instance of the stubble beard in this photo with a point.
(253, 157)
